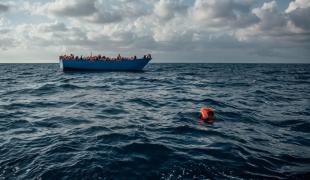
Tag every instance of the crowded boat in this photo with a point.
(101, 57)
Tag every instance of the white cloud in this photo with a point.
(270, 17)
(168, 9)
(298, 12)
(229, 13)
(93, 11)
(297, 4)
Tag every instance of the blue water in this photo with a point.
(121, 125)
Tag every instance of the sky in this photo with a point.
(185, 31)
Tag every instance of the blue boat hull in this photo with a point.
(114, 65)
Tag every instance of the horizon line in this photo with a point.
(175, 63)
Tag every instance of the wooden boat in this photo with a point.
(103, 65)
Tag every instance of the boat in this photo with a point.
(125, 64)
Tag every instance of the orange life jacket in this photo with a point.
(204, 112)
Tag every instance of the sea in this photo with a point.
(145, 125)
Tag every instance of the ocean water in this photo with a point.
(122, 125)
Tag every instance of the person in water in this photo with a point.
(207, 115)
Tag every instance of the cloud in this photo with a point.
(53, 27)
(3, 8)
(270, 17)
(71, 8)
(299, 12)
(300, 18)
(103, 17)
(272, 24)
(49, 35)
(7, 43)
(232, 13)
(6, 39)
(297, 4)
(168, 9)
(92, 11)
(197, 28)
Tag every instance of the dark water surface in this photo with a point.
(122, 125)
